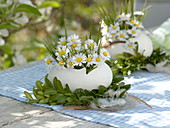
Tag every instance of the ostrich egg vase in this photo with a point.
(144, 43)
(77, 78)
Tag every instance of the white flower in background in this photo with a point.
(103, 24)
(62, 42)
(2, 41)
(49, 61)
(104, 54)
(19, 59)
(133, 32)
(123, 17)
(8, 3)
(130, 45)
(25, 2)
(79, 59)
(90, 43)
(74, 41)
(122, 35)
(73, 38)
(105, 31)
(61, 51)
(22, 20)
(60, 63)
(97, 59)
(138, 24)
(70, 63)
(4, 32)
(89, 60)
(114, 27)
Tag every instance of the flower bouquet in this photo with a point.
(121, 31)
(80, 78)
(124, 37)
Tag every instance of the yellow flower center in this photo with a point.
(137, 25)
(122, 35)
(89, 59)
(104, 25)
(133, 32)
(114, 27)
(106, 38)
(107, 30)
(63, 43)
(117, 38)
(98, 59)
(119, 16)
(105, 53)
(48, 61)
(61, 62)
(112, 34)
(70, 63)
(132, 21)
(79, 59)
(73, 40)
(74, 45)
(130, 45)
(92, 44)
(62, 52)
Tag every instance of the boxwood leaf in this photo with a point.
(39, 85)
(28, 95)
(50, 91)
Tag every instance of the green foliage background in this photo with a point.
(46, 18)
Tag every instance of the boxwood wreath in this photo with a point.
(127, 63)
(55, 93)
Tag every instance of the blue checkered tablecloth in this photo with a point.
(154, 88)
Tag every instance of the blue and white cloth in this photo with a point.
(153, 88)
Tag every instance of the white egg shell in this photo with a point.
(102, 75)
(144, 43)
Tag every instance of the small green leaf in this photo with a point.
(50, 92)
(39, 85)
(85, 98)
(47, 81)
(102, 89)
(49, 4)
(67, 88)
(40, 92)
(57, 84)
(32, 101)
(28, 9)
(28, 95)
(39, 97)
(44, 101)
(7, 26)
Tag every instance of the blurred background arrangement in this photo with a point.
(25, 23)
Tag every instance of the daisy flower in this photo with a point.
(122, 35)
(62, 51)
(104, 54)
(130, 45)
(70, 63)
(73, 38)
(123, 17)
(105, 31)
(74, 41)
(133, 32)
(114, 27)
(49, 60)
(60, 63)
(62, 42)
(97, 59)
(79, 59)
(103, 24)
(90, 43)
(138, 24)
(89, 60)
